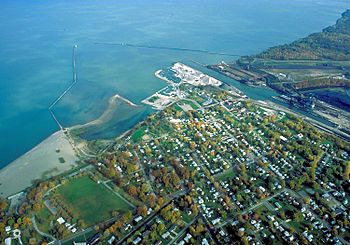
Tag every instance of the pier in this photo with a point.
(169, 48)
(74, 64)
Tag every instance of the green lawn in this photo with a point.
(153, 99)
(91, 202)
(177, 108)
(198, 99)
(43, 219)
(81, 238)
(190, 103)
(228, 174)
(138, 134)
(187, 218)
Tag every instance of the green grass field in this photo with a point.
(190, 103)
(91, 202)
(138, 134)
(43, 218)
(153, 99)
(228, 174)
(177, 108)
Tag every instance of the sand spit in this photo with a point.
(106, 115)
(42, 161)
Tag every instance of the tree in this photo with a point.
(152, 200)
(298, 216)
(117, 178)
(26, 221)
(145, 188)
(245, 241)
(194, 209)
(243, 172)
(160, 201)
(10, 222)
(306, 200)
(292, 184)
(3, 204)
(132, 190)
(161, 227)
(240, 232)
(347, 170)
(227, 200)
(291, 230)
(283, 183)
(81, 223)
(142, 211)
(127, 216)
(193, 145)
(200, 228)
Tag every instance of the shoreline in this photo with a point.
(42, 161)
(104, 116)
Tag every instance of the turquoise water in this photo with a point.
(37, 38)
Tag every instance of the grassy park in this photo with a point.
(138, 134)
(91, 201)
(43, 219)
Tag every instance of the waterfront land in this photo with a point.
(300, 71)
(333, 43)
(211, 166)
(53, 156)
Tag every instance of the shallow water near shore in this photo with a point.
(37, 39)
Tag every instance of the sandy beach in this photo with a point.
(42, 161)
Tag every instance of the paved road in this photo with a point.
(252, 207)
(211, 230)
(325, 223)
(182, 232)
(149, 218)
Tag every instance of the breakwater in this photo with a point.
(168, 48)
(74, 64)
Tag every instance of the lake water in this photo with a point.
(37, 38)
